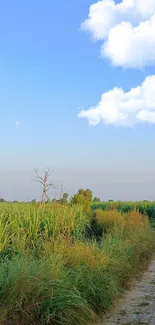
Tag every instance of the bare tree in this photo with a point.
(46, 183)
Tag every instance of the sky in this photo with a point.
(77, 82)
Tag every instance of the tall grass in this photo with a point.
(36, 292)
(24, 227)
(144, 207)
(52, 272)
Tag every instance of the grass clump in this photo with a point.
(36, 292)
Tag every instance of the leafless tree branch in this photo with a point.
(46, 185)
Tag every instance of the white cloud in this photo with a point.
(120, 108)
(126, 29)
(17, 123)
(131, 47)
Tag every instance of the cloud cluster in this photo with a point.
(127, 31)
(120, 108)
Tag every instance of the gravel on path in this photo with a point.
(137, 307)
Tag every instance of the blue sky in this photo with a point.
(50, 70)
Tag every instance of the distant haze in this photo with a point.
(107, 184)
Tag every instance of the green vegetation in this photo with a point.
(65, 263)
(145, 207)
(83, 198)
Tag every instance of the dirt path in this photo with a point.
(137, 307)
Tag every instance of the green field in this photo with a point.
(61, 265)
